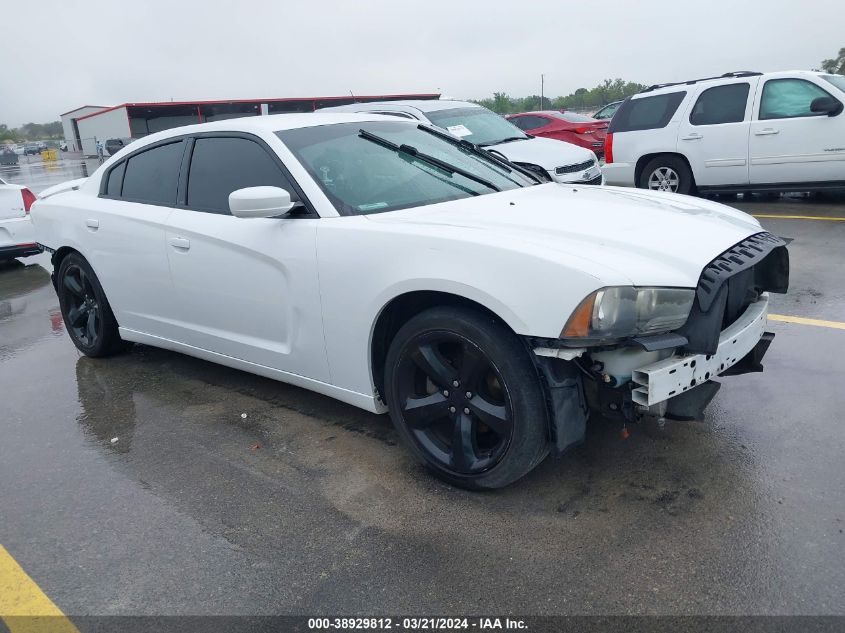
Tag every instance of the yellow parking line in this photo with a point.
(837, 325)
(798, 217)
(24, 608)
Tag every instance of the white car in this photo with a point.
(384, 263)
(741, 132)
(17, 235)
(554, 160)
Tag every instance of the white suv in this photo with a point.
(743, 131)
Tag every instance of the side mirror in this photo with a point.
(826, 105)
(260, 202)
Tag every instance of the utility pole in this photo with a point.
(542, 88)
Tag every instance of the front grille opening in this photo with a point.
(571, 169)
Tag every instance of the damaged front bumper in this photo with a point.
(678, 387)
(677, 374)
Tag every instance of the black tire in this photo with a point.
(85, 310)
(676, 175)
(502, 425)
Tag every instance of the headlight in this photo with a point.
(622, 311)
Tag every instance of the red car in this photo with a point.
(563, 126)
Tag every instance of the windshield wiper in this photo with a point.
(489, 155)
(506, 140)
(410, 150)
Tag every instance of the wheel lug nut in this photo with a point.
(466, 410)
(446, 392)
(455, 383)
(451, 409)
(469, 394)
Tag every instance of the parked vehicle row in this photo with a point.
(740, 132)
(386, 262)
(558, 162)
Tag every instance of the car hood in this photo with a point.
(546, 152)
(617, 235)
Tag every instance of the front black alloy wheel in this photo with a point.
(454, 403)
(85, 309)
(464, 395)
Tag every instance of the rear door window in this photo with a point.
(721, 104)
(646, 113)
(115, 182)
(789, 98)
(529, 122)
(152, 176)
(221, 165)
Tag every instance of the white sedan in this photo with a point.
(384, 263)
(17, 236)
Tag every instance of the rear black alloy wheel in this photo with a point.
(465, 396)
(86, 312)
(454, 402)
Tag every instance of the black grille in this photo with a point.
(737, 258)
(594, 181)
(730, 283)
(571, 169)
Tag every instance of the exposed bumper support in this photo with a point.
(677, 374)
(568, 411)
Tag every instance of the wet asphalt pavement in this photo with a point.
(154, 483)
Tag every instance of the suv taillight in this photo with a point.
(608, 148)
(28, 199)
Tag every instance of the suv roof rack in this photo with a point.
(736, 73)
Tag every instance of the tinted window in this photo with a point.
(529, 122)
(222, 165)
(152, 176)
(646, 113)
(787, 98)
(721, 104)
(115, 180)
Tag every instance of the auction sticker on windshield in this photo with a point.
(459, 130)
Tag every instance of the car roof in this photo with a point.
(686, 85)
(263, 124)
(422, 105)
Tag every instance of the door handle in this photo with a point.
(92, 224)
(695, 136)
(767, 131)
(180, 242)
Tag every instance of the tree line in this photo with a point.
(582, 99)
(31, 132)
(835, 66)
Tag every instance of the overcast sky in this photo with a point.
(60, 54)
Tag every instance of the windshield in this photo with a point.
(477, 125)
(361, 176)
(836, 80)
